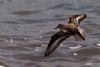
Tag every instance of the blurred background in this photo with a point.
(26, 27)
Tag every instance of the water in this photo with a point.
(27, 25)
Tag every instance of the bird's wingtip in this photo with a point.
(46, 54)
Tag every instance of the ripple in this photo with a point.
(40, 20)
(26, 12)
(89, 52)
(63, 5)
(11, 22)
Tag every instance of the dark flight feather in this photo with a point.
(55, 41)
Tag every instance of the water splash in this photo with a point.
(76, 47)
(40, 33)
(98, 44)
(75, 54)
(88, 64)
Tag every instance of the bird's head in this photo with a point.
(59, 26)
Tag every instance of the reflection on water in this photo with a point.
(27, 25)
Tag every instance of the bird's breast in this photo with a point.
(71, 29)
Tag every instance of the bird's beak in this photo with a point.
(55, 27)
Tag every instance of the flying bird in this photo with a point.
(72, 28)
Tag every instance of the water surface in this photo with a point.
(26, 27)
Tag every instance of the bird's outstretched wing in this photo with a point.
(77, 18)
(55, 41)
(82, 32)
(79, 34)
(80, 18)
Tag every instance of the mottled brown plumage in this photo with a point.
(66, 30)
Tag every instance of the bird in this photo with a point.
(72, 28)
